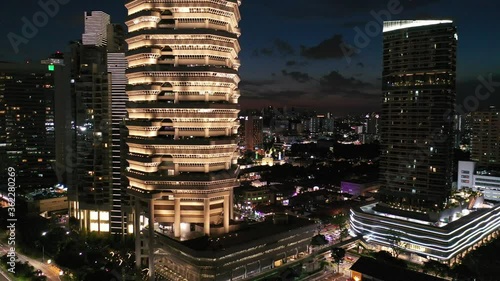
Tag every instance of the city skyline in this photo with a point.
(218, 140)
(306, 67)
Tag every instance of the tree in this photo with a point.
(342, 222)
(319, 240)
(338, 255)
(436, 268)
(396, 244)
(462, 273)
(388, 258)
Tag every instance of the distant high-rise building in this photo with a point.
(370, 128)
(416, 124)
(321, 123)
(96, 28)
(372, 124)
(251, 129)
(485, 142)
(27, 129)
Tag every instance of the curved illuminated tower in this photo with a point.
(182, 110)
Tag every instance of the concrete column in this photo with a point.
(231, 205)
(206, 167)
(206, 214)
(137, 232)
(207, 133)
(151, 236)
(176, 97)
(177, 217)
(226, 214)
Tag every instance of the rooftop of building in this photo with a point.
(490, 171)
(402, 24)
(47, 193)
(458, 218)
(362, 181)
(273, 225)
(386, 272)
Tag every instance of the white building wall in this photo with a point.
(96, 23)
(466, 171)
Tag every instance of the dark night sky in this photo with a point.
(290, 48)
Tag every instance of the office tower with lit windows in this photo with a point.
(27, 135)
(485, 141)
(416, 124)
(418, 212)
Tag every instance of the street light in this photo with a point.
(43, 247)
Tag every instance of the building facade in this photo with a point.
(416, 123)
(182, 116)
(485, 180)
(419, 213)
(27, 124)
(485, 140)
(96, 26)
(251, 132)
(98, 197)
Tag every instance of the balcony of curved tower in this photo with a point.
(151, 69)
(217, 180)
(145, 33)
(143, 56)
(186, 129)
(143, 20)
(179, 148)
(158, 145)
(143, 92)
(170, 110)
(136, 6)
(129, 19)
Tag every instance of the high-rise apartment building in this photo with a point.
(96, 26)
(251, 132)
(27, 129)
(416, 124)
(419, 213)
(485, 141)
(98, 198)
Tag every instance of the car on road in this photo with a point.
(38, 272)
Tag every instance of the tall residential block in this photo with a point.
(485, 141)
(416, 123)
(98, 197)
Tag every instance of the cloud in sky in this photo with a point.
(331, 48)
